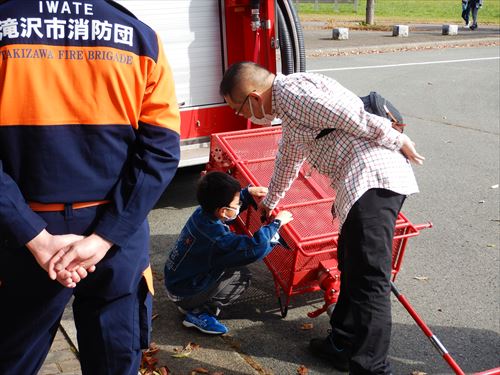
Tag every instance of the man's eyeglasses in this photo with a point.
(238, 112)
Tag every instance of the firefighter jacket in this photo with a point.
(87, 112)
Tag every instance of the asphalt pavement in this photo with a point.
(230, 354)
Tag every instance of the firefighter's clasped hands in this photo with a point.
(68, 258)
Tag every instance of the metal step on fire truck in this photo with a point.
(201, 39)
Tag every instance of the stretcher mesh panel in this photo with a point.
(256, 145)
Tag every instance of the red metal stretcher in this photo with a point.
(308, 262)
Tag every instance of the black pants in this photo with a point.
(362, 316)
(226, 291)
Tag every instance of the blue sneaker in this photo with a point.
(206, 323)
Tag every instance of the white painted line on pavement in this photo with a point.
(405, 64)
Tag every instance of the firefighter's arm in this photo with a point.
(28, 228)
(153, 160)
(16, 217)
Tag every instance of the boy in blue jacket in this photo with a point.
(206, 268)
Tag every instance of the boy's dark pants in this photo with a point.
(228, 289)
(362, 316)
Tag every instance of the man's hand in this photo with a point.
(85, 253)
(408, 150)
(257, 191)
(45, 246)
(264, 213)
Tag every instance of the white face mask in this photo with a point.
(236, 213)
(265, 121)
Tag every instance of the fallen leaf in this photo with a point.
(153, 349)
(306, 326)
(148, 361)
(182, 354)
(192, 346)
(200, 370)
(186, 350)
(421, 278)
(490, 245)
(302, 370)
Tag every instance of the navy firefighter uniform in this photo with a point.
(89, 140)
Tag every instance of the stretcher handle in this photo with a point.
(427, 331)
(423, 226)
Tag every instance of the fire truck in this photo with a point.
(201, 39)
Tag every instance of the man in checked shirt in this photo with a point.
(368, 163)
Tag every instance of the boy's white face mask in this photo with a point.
(236, 213)
(265, 121)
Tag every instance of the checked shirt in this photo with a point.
(360, 154)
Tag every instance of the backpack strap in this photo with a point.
(380, 106)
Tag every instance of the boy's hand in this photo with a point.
(257, 191)
(284, 216)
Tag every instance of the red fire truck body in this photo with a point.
(201, 39)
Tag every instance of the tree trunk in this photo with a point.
(370, 12)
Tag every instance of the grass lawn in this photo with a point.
(390, 11)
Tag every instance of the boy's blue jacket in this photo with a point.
(206, 247)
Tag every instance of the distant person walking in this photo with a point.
(468, 7)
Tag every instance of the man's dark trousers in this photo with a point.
(362, 316)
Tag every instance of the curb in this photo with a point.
(342, 51)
